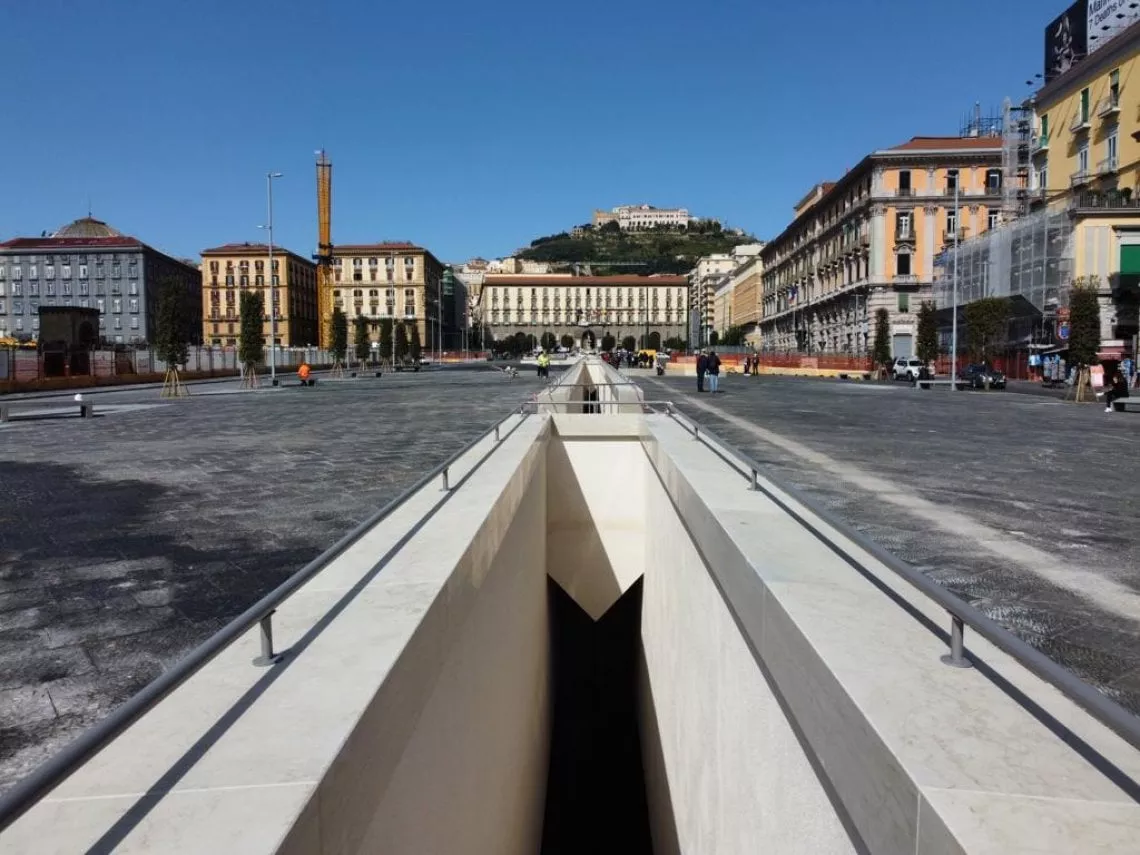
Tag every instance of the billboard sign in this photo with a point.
(1066, 39)
(1106, 18)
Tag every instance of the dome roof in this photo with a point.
(87, 227)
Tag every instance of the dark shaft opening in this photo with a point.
(595, 795)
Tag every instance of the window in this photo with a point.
(65, 271)
(951, 221)
(116, 305)
(1083, 159)
(116, 271)
(33, 289)
(65, 289)
(904, 303)
(993, 181)
(49, 289)
(244, 281)
(17, 273)
(903, 264)
(1084, 105)
(83, 271)
(1045, 127)
(99, 304)
(3, 308)
(904, 182)
(902, 226)
(117, 322)
(135, 322)
(259, 281)
(951, 179)
(49, 272)
(992, 220)
(1110, 150)
(213, 267)
(133, 288)
(2, 277)
(1043, 178)
(33, 272)
(133, 304)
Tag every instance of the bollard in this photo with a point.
(267, 657)
(956, 658)
(446, 478)
(696, 431)
(755, 482)
(497, 439)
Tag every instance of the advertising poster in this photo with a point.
(1107, 18)
(1066, 39)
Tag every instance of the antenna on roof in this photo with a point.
(88, 206)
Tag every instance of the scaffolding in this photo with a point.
(1031, 258)
(1016, 160)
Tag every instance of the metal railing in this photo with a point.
(62, 765)
(961, 614)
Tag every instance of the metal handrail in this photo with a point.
(962, 614)
(62, 765)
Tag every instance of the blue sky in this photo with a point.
(472, 128)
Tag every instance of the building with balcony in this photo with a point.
(722, 306)
(747, 288)
(391, 280)
(1087, 166)
(89, 264)
(868, 241)
(586, 307)
(232, 268)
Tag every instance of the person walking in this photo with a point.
(702, 366)
(713, 368)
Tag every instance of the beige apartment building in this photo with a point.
(747, 288)
(233, 268)
(585, 307)
(394, 280)
(868, 242)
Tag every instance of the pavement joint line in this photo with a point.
(1111, 596)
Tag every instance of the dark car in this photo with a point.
(981, 376)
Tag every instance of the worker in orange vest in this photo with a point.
(303, 372)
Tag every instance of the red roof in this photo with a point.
(506, 279)
(948, 144)
(383, 246)
(67, 242)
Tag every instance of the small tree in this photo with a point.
(1084, 329)
(655, 340)
(386, 339)
(567, 340)
(628, 343)
(338, 340)
(608, 342)
(401, 343)
(881, 349)
(733, 336)
(361, 342)
(926, 347)
(675, 343)
(171, 339)
(518, 343)
(251, 344)
(986, 321)
(714, 338)
(549, 342)
(415, 349)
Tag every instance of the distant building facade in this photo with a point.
(634, 218)
(394, 280)
(230, 269)
(88, 264)
(868, 242)
(585, 307)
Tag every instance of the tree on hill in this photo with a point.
(360, 335)
(251, 344)
(881, 348)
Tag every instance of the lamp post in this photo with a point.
(954, 320)
(269, 176)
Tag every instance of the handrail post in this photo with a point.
(755, 485)
(446, 478)
(696, 430)
(497, 439)
(956, 658)
(267, 657)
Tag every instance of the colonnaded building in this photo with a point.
(585, 307)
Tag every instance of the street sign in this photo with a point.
(1063, 331)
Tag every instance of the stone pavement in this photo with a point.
(128, 538)
(1027, 507)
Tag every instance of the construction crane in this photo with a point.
(324, 253)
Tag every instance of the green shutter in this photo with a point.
(1130, 259)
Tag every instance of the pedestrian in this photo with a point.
(713, 368)
(702, 366)
(1117, 390)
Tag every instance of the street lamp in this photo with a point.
(269, 176)
(954, 321)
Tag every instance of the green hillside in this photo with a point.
(658, 251)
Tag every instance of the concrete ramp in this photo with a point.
(595, 635)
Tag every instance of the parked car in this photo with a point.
(980, 376)
(908, 368)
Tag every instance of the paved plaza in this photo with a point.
(1026, 506)
(128, 538)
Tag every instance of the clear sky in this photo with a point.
(472, 128)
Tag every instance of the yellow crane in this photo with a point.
(324, 254)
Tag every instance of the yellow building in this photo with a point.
(397, 280)
(722, 307)
(868, 241)
(1086, 154)
(235, 267)
(746, 292)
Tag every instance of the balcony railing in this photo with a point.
(1080, 178)
(1079, 123)
(949, 234)
(906, 192)
(1108, 166)
(1109, 105)
(1112, 201)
